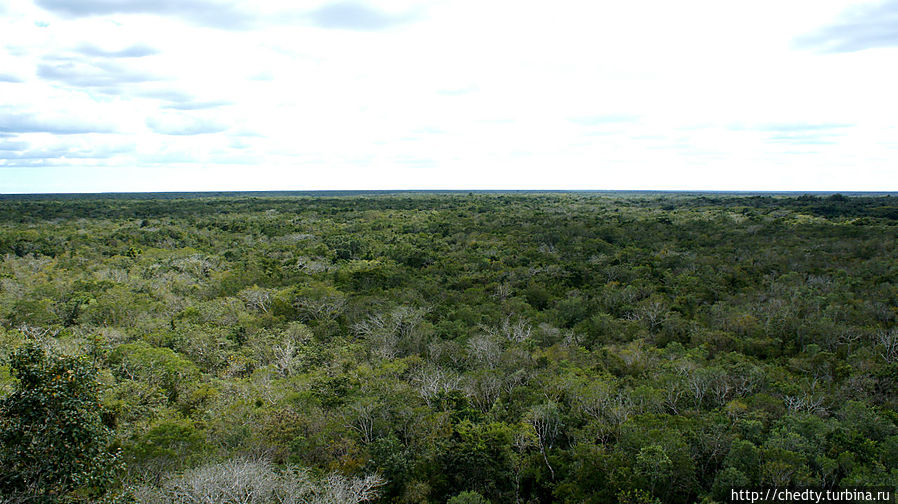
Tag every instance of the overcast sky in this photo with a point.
(187, 95)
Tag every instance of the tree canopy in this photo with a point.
(563, 347)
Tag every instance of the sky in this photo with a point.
(211, 95)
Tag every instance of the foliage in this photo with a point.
(468, 498)
(52, 439)
(507, 347)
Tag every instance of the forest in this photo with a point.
(461, 348)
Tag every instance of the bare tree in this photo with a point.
(810, 400)
(719, 385)
(257, 298)
(887, 345)
(514, 380)
(503, 290)
(338, 489)
(44, 336)
(311, 265)
(595, 399)
(746, 380)
(620, 409)
(196, 265)
(484, 389)
(514, 331)
(796, 403)
(848, 337)
(674, 391)
(379, 333)
(546, 422)
(320, 308)
(285, 359)
(247, 481)
(393, 333)
(652, 314)
(484, 350)
(698, 385)
(405, 320)
(406, 323)
(432, 380)
(361, 417)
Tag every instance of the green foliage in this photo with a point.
(169, 441)
(726, 480)
(580, 348)
(636, 496)
(468, 498)
(478, 456)
(158, 366)
(52, 438)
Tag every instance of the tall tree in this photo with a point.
(53, 442)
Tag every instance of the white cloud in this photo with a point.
(184, 124)
(462, 94)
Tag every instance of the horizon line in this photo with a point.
(311, 192)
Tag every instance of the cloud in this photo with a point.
(265, 75)
(23, 163)
(867, 26)
(459, 91)
(245, 132)
(134, 51)
(182, 124)
(599, 119)
(13, 145)
(796, 133)
(198, 105)
(355, 16)
(78, 152)
(172, 95)
(788, 127)
(17, 50)
(62, 152)
(180, 100)
(200, 12)
(5, 77)
(802, 138)
(23, 122)
(90, 73)
(345, 15)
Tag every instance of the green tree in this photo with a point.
(52, 439)
(654, 464)
(479, 458)
(468, 498)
